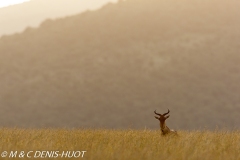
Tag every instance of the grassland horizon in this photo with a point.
(131, 144)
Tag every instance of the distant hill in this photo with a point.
(16, 18)
(113, 67)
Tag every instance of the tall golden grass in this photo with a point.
(102, 144)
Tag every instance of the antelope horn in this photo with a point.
(157, 113)
(166, 113)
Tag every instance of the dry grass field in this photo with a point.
(122, 144)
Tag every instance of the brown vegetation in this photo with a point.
(123, 144)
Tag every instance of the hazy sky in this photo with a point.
(15, 18)
(5, 3)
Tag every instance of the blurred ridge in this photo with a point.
(113, 67)
(16, 18)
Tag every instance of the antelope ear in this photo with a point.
(167, 117)
(156, 117)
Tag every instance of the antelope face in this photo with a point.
(162, 117)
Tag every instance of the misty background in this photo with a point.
(113, 66)
(32, 13)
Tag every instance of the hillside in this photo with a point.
(16, 18)
(113, 67)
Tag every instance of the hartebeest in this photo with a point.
(165, 130)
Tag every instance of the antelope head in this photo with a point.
(162, 118)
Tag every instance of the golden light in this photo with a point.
(6, 3)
